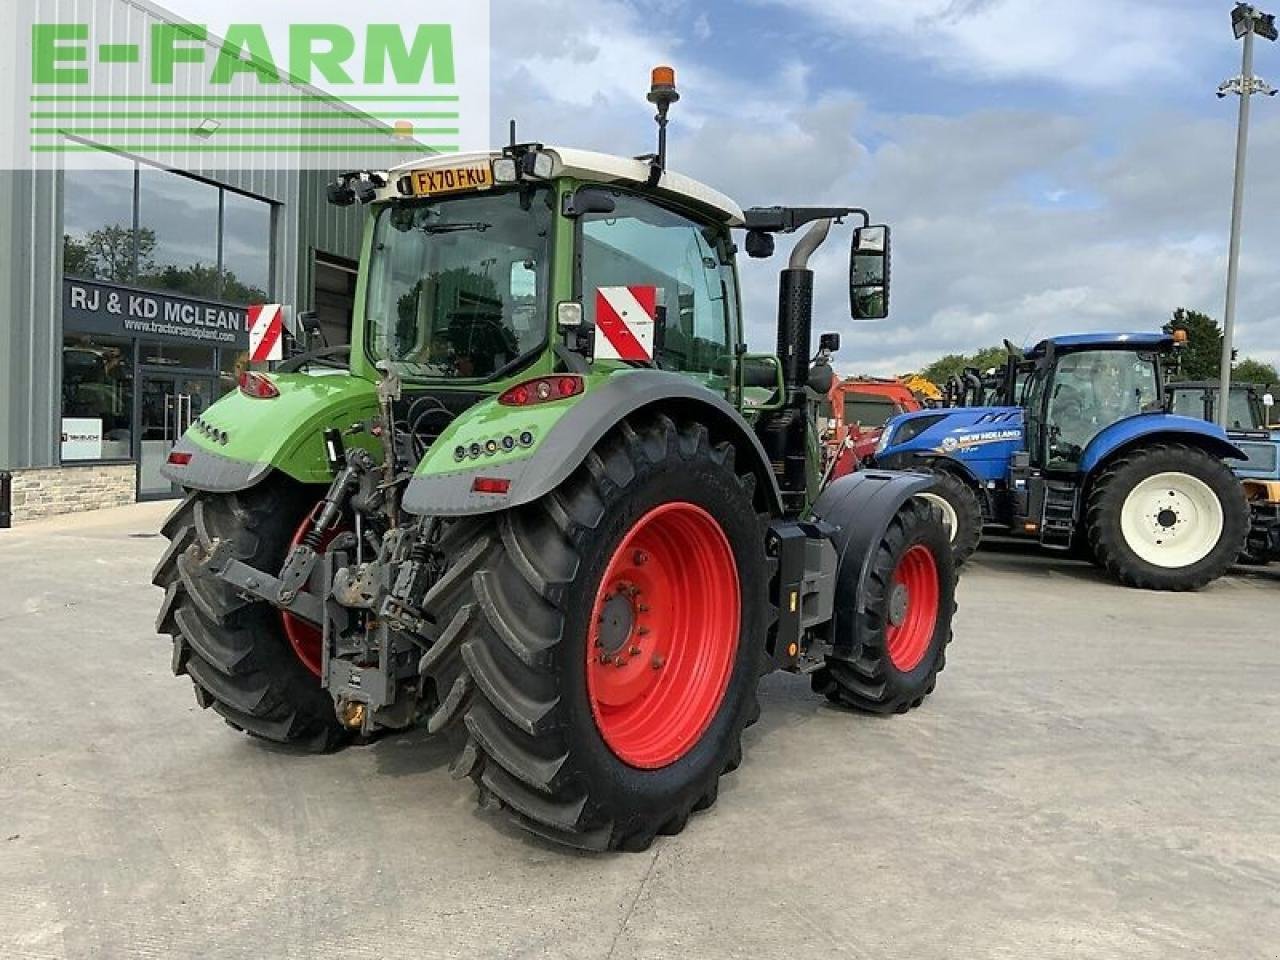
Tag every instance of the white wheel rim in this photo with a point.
(949, 518)
(1171, 520)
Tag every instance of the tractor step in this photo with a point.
(1058, 521)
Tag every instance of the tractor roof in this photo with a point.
(1104, 341)
(604, 168)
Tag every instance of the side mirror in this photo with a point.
(829, 343)
(869, 273)
(760, 381)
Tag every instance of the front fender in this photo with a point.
(1151, 427)
(284, 433)
(560, 436)
(861, 506)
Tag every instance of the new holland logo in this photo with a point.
(969, 441)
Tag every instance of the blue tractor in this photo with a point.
(1086, 457)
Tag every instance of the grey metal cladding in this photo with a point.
(568, 443)
(212, 472)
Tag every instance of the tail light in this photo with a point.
(496, 485)
(543, 390)
(179, 458)
(257, 386)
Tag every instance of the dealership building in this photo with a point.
(124, 288)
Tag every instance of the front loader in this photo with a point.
(549, 505)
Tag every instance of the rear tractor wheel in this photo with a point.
(1168, 517)
(903, 632)
(600, 648)
(252, 664)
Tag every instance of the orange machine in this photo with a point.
(860, 407)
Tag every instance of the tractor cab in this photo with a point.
(1247, 409)
(1079, 386)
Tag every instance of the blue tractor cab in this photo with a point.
(1083, 453)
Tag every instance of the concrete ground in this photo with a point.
(1096, 776)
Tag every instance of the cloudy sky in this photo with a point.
(1048, 166)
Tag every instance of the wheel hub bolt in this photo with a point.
(641, 558)
(635, 651)
(658, 661)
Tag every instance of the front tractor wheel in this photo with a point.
(901, 637)
(600, 648)
(1168, 517)
(961, 512)
(256, 667)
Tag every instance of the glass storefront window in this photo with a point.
(177, 234)
(246, 249)
(176, 355)
(97, 222)
(97, 399)
(231, 363)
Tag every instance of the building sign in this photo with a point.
(81, 439)
(89, 307)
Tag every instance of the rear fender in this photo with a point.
(561, 434)
(1155, 428)
(239, 440)
(861, 506)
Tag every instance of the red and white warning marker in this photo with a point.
(266, 333)
(624, 323)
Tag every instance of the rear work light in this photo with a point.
(543, 390)
(257, 386)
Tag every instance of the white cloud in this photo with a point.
(1086, 43)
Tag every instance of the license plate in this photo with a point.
(433, 183)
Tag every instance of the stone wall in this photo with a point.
(51, 491)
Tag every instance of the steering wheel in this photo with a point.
(481, 338)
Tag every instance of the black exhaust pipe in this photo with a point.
(795, 328)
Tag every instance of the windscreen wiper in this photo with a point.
(429, 228)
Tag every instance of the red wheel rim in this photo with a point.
(664, 631)
(913, 608)
(305, 637)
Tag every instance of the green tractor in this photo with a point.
(547, 503)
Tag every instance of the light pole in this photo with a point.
(1247, 22)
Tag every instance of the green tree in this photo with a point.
(108, 253)
(1249, 370)
(953, 364)
(1201, 358)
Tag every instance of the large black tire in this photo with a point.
(510, 669)
(962, 511)
(871, 680)
(1114, 486)
(234, 650)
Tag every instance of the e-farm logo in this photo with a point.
(323, 95)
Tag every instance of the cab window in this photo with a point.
(1093, 389)
(640, 244)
